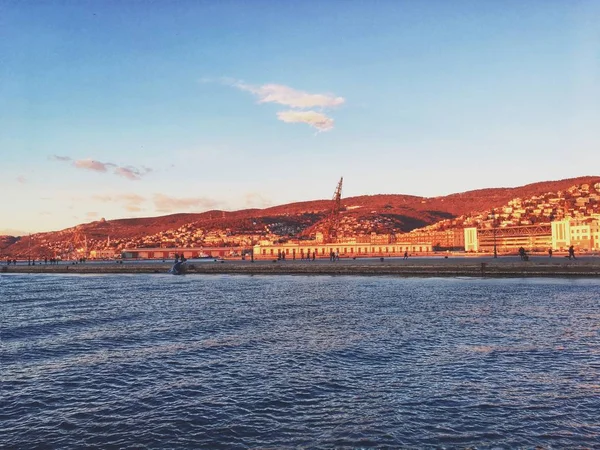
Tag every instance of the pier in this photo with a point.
(426, 267)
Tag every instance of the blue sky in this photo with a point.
(131, 109)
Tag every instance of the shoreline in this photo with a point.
(420, 267)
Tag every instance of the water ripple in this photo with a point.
(142, 361)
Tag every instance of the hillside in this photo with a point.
(360, 215)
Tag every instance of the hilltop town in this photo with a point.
(578, 202)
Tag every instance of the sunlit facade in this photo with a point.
(344, 250)
(471, 241)
(583, 234)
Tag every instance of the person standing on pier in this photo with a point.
(572, 252)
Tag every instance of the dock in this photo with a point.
(419, 267)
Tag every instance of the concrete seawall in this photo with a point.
(428, 267)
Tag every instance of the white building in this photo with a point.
(471, 240)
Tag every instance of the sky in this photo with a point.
(116, 109)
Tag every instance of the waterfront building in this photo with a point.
(451, 239)
(103, 254)
(508, 239)
(582, 233)
(537, 238)
(186, 252)
(292, 250)
(303, 249)
(471, 241)
(561, 234)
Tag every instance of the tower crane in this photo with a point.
(333, 221)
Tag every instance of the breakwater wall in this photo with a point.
(422, 267)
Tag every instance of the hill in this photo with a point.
(360, 215)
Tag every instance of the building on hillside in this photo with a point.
(381, 238)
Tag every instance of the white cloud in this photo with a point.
(285, 95)
(292, 98)
(313, 118)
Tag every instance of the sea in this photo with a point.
(277, 362)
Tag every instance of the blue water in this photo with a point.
(298, 361)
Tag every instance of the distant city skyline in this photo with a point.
(130, 109)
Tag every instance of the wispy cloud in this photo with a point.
(131, 202)
(285, 95)
(300, 101)
(129, 172)
(164, 203)
(91, 164)
(60, 158)
(315, 119)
